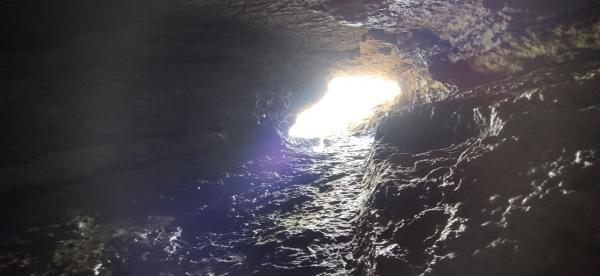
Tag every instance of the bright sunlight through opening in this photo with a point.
(348, 102)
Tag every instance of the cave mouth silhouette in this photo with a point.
(348, 102)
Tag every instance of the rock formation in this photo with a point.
(487, 165)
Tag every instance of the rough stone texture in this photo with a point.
(500, 180)
(492, 36)
(464, 42)
(148, 83)
(306, 20)
(488, 165)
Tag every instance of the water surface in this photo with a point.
(285, 211)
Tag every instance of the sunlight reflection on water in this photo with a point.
(286, 210)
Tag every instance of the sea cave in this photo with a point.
(300, 137)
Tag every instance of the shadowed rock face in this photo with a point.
(93, 94)
(499, 180)
(488, 165)
(491, 36)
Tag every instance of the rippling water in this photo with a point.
(289, 211)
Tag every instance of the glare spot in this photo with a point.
(347, 103)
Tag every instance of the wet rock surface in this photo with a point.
(148, 138)
(504, 184)
(487, 36)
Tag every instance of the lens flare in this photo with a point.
(348, 101)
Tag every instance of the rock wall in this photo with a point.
(487, 166)
(110, 88)
(491, 37)
(498, 180)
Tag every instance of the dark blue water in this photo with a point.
(285, 212)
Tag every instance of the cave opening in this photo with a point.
(347, 103)
(300, 137)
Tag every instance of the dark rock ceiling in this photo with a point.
(105, 99)
(488, 37)
(52, 51)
